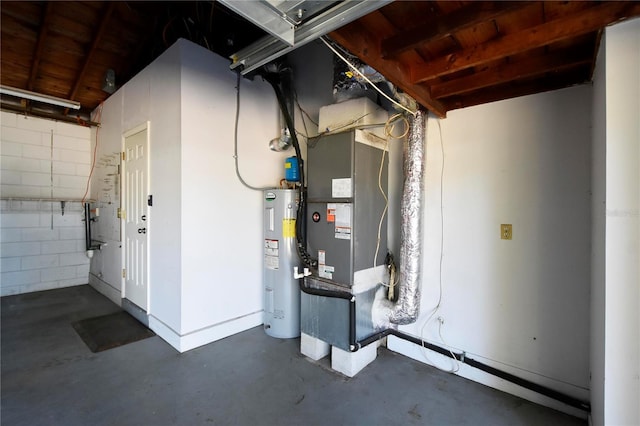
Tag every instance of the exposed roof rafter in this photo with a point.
(92, 50)
(42, 35)
(530, 67)
(577, 24)
(440, 27)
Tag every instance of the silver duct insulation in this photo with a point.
(407, 308)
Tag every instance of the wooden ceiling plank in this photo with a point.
(92, 50)
(529, 67)
(588, 20)
(440, 27)
(545, 84)
(42, 35)
(360, 42)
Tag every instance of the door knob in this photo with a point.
(144, 217)
(142, 230)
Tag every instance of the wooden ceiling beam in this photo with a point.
(439, 27)
(517, 89)
(92, 50)
(357, 40)
(582, 22)
(42, 35)
(530, 67)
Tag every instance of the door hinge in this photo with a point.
(121, 213)
(124, 156)
(124, 273)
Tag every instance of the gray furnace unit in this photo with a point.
(343, 212)
(281, 290)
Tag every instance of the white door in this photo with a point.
(136, 223)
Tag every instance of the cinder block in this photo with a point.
(20, 277)
(71, 181)
(20, 249)
(83, 272)
(72, 130)
(36, 179)
(313, 348)
(11, 177)
(58, 273)
(62, 168)
(39, 262)
(74, 259)
(11, 148)
(76, 233)
(37, 152)
(10, 264)
(22, 136)
(11, 235)
(19, 164)
(19, 191)
(8, 119)
(71, 156)
(20, 220)
(68, 193)
(37, 124)
(83, 170)
(67, 142)
(56, 247)
(69, 219)
(40, 234)
(351, 363)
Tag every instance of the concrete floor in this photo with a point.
(49, 377)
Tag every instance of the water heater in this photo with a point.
(281, 290)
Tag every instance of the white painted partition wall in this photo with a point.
(615, 288)
(205, 228)
(519, 305)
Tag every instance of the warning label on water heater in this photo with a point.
(271, 254)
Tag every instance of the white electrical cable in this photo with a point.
(389, 125)
(235, 141)
(354, 68)
(456, 365)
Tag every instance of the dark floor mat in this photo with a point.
(111, 331)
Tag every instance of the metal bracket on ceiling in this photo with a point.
(270, 48)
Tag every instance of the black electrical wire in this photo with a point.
(301, 240)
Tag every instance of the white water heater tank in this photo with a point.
(281, 290)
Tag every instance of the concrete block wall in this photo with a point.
(40, 160)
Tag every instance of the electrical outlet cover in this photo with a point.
(506, 231)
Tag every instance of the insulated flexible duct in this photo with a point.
(407, 308)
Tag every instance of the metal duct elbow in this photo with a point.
(407, 308)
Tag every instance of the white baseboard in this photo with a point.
(414, 351)
(206, 335)
(106, 289)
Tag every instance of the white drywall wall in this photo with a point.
(521, 303)
(205, 228)
(222, 245)
(598, 234)
(42, 249)
(616, 229)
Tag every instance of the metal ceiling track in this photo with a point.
(265, 14)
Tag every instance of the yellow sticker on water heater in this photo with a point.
(288, 228)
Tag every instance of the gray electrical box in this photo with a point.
(344, 208)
